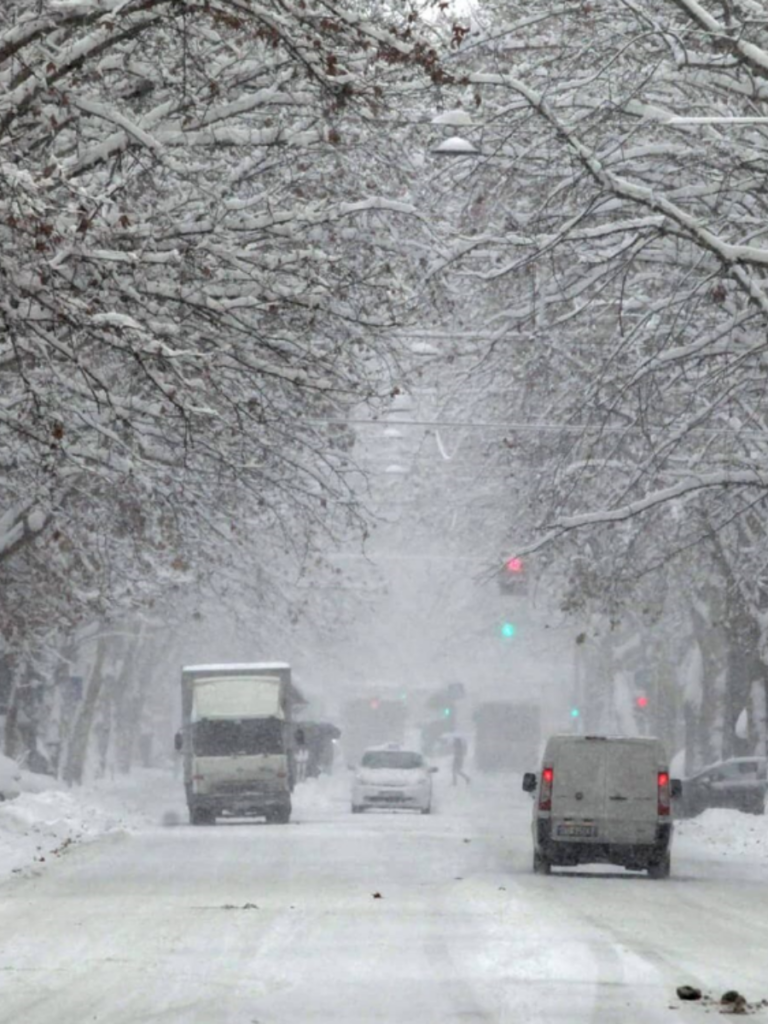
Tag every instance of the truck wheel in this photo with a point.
(280, 815)
(660, 869)
(200, 816)
(541, 866)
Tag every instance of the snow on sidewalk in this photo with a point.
(38, 827)
(720, 833)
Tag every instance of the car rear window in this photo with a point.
(392, 759)
(751, 769)
(733, 770)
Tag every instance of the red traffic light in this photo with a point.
(641, 701)
(513, 578)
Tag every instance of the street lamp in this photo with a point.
(456, 146)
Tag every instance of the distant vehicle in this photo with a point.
(321, 739)
(507, 736)
(739, 783)
(603, 800)
(389, 776)
(236, 739)
(371, 721)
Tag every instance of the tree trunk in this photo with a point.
(77, 754)
(758, 722)
(10, 737)
(708, 723)
(20, 730)
(125, 698)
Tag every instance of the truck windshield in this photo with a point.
(222, 737)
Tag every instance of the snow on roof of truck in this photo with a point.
(236, 666)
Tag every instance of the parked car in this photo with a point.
(390, 776)
(739, 783)
(602, 800)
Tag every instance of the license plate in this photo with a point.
(574, 831)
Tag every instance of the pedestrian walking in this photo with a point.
(302, 756)
(457, 766)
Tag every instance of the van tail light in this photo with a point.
(664, 802)
(545, 789)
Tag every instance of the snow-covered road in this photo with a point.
(376, 918)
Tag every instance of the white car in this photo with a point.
(392, 777)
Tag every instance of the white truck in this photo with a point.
(507, 735)
(236, 741)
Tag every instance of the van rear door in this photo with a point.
(578, 791)
(606, 791)
(632, 796)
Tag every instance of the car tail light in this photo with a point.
(545, 789)
(664, 803)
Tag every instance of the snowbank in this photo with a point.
(15, 780)
(38, 827)
(724, 833)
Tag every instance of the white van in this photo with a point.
(601, 799)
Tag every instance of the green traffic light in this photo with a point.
(507, 629)
(575, 712)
